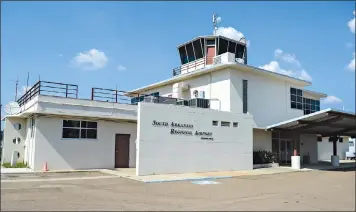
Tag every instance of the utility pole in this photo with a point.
(17, 84)
(28, 77)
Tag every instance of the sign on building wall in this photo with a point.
(178, 139)
(183, 129)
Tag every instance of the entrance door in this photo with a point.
(210, 55)
(286, 151)
(122, 150)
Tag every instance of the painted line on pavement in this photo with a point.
(58, 179)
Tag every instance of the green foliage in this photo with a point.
(264, 157)
(18, 165)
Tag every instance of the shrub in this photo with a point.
(263, 157)
(18, 165)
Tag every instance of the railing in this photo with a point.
(50, 89)
(110, 95)
(196, 64)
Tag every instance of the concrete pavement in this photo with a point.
(314, 190)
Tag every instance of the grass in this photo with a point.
(18, 165)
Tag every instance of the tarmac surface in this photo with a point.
(313, 190)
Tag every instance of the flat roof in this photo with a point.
(212, 68)
(328, 122)
(212, 36)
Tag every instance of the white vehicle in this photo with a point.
(351, 153)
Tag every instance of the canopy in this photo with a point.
(328, 122)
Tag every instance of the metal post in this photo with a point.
(335, 146)
(66, 90)
(92, 93)
(116, 96)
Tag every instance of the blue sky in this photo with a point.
(131, 44)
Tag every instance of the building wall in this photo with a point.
(325, 149)
(268, 98)
(67, 154)
(160, 152)
(309, 146)
(216, 85)
(11, 133)
(262, 140)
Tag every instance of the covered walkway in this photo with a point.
(329, 123)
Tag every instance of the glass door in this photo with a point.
(286, 150)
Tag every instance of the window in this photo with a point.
(244, 96)
(232, 47)
(222, 46)
(296, 98)
(32, 125)
(341, 139)
(198, 49)
(215, 123)
(310, 105)
(235, 124)
(17, 126)
(79, 129)
(225, 124)
(183, 55)
(210, 42)
(239, 51)
(190, 52)
(351, 143)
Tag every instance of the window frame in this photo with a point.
(80, 128)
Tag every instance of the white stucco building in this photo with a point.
(209, 116)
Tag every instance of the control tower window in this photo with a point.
(183, 55)
(239, 51)
(222, 46)
(210, 42)
(198, 49)
(232, 47)
(190, 52)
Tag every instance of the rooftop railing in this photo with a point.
(191, 66)
(110, 95)
(49, 88)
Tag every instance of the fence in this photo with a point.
(49, 88)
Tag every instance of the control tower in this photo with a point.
(205, 51)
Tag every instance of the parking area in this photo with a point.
(314, 190)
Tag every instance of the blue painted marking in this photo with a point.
(188, 179)
(205, 182)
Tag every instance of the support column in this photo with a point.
(295, 158)
(335, 157)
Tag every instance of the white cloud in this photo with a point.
(331, 100)
(280, 55)
(351, 24)
(350, 45)
(23, 90)
(60, 55)
(218, 19)
(286, 57)
(351, 65)
(232, 33)
(121, 68)
(90, 60)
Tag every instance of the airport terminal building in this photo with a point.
(210, 115)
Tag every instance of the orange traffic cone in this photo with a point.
(45, 168)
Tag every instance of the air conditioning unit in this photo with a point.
(166, 100)
(198, 102)
(182, 102)
(151, 99)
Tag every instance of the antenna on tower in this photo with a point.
(215, 22)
